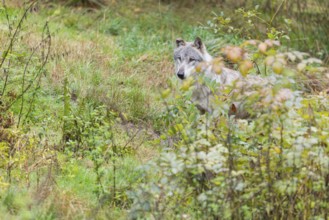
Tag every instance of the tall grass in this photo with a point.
(94, 115)
(305, 21)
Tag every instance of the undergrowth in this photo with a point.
(85, 100)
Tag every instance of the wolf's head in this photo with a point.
(187, 55)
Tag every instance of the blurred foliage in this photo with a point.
(75, 127)
(214, 166)
(306, 22)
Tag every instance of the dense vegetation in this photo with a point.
(94, 124)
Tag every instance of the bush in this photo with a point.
(213, 166)
(254, 19)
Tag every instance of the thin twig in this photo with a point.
(12, 40)
(46, 29)
(277, 11)
(23, 82)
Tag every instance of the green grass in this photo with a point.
(110, 57)
(120, 68)
(119, 57)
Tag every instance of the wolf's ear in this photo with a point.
(198, 43)
(180, 42)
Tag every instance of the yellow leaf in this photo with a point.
(165, 93)
(245, 67)
(277, 67)
(187, 84)
(277, 150)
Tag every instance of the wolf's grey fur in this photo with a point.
(187, 56)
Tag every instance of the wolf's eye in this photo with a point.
(179, 58)
(192, 59)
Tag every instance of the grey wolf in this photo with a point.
(187, 56)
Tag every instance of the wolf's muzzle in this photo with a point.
(181, 74)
